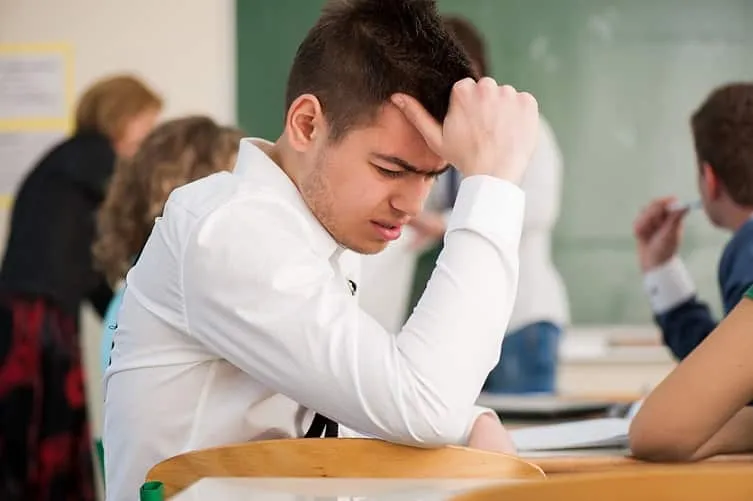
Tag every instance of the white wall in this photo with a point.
(184, 48)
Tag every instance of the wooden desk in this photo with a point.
(612, 359)
(599, 460)
(330, 489)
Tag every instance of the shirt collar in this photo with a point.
(255, 166)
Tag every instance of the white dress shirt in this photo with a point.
(387, 281)
(238, 317)
(542, 295)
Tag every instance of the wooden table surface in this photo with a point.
(595, 461)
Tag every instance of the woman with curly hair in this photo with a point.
(175, 153)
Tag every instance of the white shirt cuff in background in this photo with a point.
(668, 285)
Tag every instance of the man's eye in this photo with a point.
(391, 173)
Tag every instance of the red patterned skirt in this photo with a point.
(45, 445)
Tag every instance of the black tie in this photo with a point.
(322, 424)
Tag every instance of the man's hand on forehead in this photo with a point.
(489, 129)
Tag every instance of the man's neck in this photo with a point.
(281, 154)
(269, 149)
(736, 218)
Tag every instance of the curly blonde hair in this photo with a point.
(175, 153)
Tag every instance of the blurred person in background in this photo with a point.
(175, 153)
(530, 348)
(722, 129)
(47, 274)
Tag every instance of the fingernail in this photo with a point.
(398, 101)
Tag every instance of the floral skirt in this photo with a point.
(45, 445)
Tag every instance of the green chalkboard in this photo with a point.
(617, 80)
(268, 34)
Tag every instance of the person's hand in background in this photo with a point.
(658, 233)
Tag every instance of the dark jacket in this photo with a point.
(53, 226)
(686, 325)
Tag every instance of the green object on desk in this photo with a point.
(152, 491)
(100, 456)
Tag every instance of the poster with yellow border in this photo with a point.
(36, 101)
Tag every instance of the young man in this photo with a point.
(530, 348)
(240, 314)
(723, 132)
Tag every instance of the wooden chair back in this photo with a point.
(336, 457)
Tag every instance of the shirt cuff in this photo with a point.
(668, 285)
(476, 413)
(491, 207)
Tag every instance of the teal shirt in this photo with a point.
(110, 323)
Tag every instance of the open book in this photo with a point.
(583, 434)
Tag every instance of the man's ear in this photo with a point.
(305, 122)
(711, 181)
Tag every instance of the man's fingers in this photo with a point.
(656, 213)
(430, 129)
(676, 217)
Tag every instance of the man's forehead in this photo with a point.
(394, 136)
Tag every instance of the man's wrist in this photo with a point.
(668, 285)
(649, 263)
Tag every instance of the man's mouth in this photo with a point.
(388, 231)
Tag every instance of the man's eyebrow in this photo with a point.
(411, 168)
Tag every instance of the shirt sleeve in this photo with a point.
(668, 285)
(257, 295)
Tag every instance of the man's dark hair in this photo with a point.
(360, 52)
(723, 135)
(470, 39)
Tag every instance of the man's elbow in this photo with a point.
(431, 429)
(436, 433)
(657, 446)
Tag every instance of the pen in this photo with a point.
(681, 206)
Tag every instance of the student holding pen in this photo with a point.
(723, 136)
